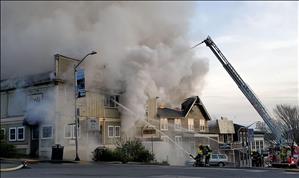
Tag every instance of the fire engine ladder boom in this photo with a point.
(253, 99)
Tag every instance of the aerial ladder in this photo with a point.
(250, 95)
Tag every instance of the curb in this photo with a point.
(292, 170)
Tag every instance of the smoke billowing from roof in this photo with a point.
(142, 44)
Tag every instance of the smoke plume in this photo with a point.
(143, 47)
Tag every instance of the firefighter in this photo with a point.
(199, 155)
(207, 153)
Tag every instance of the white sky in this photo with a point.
(260, 39)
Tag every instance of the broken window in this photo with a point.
(109, 100)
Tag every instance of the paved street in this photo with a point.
(88, 170)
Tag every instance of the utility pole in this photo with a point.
(75, 101)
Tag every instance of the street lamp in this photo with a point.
(76, 111)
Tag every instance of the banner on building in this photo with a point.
(250, 135)
(80, 78)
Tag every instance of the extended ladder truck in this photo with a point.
(250, 95)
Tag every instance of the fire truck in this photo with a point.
(254, 100)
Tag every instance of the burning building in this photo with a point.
(38, 111)
(167, 129)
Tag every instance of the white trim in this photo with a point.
(23, 133)
(110, 126)
(15, 139)
(42, 136)
(115, 131)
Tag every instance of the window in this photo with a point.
(164, 124)
(214, 156)
(222, 156)
(47, 132)
(35, 133)
(177, 124)
(262, 144)
(2, 131)
(68, 131)
(257, 144)
(178, 139)
(164, 138)
(12, 134)
(109, 101)
(191, 124)
(20, 133)
(253, 145)
(225, 138)
(117, 131)
(110, 131)
(202, 125)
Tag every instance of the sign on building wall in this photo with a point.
(36, 98)
(250, 135)
(80, 83)
(93, 124)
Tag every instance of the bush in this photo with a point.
(104, 154)
(124, 152)
(7, 150)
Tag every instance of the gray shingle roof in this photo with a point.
(169, 113)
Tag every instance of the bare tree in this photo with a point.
(288, 117)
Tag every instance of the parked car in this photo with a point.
(218, 160)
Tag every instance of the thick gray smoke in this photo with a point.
(144, 46)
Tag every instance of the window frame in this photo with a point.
(4, 131)
(202, 125)
(110, 126)
(68, 126)
(18, 133)
(189, 125)
(116, 132)
(177, 125)
(9, 134)
(180, 140)
(109, 103)
(164, 122)
(42, 133)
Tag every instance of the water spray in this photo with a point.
(176, 144)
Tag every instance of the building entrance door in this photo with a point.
(34, 141)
